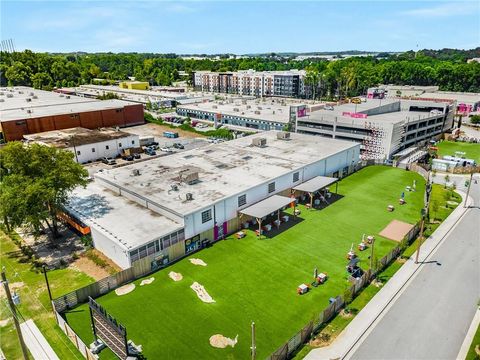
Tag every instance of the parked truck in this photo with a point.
(146, 140)
(170, 134)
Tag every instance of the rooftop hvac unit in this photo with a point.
(259, 108)
(67, 97)
(189, 196)
(31, 94)
(34, 97)
(257, 112)
(249, 106)
(260, 142)
(29, 111)
(174, 187)
(283, 135)
(9, 95)
(189, 177)
(2, 100)
(28, 99)
(61, 95)
(236, 109)
(214, 106)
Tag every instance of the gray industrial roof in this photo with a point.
(267, 206)
(15, 105)
(317, 183)
(224, 169)
(130, 224)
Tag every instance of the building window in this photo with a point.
(107, 147)
(296, 176)
(133, 142)
(79, 153)
(242, 200)
(166, 241)
(93, 149)
(134, 255)
(119, 144)
(206, 216)
(271, 187)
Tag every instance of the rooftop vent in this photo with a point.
(29, 111)
(189, 196)
(28, 99)
(283, 135)
(259, 142)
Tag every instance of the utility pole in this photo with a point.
(14, 314)
(44, 267)
(424, 212)
(371, 255)
(254, 347)
(468, 190)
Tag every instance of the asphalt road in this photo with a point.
(430, 319)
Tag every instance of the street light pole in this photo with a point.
(44, 267)
(254, 347)
(14, 314)
(468, 190)
(424, 212)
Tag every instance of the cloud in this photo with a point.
(445, 10)
(180, 8)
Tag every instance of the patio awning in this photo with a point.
(267, 206)
(315, 184)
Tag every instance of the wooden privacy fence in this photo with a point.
(74, 338)
(285, 351)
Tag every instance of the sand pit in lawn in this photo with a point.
(201, 293)
(125, 289)
(147, 281)
(221, 342)
(175, 276)
(198, 262)
(396, 230)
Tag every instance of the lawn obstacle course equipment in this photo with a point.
(110, 332)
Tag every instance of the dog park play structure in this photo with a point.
(170, 320)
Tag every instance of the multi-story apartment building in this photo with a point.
(288, 83)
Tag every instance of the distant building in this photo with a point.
(257, 114)
(382, 127)
(289, 83)
(87, 145)
(26, 111)
(134, 85)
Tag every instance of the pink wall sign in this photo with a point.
(354, 115)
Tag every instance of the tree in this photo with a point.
(311, 78)
(35, 183)
(18, 74)
(447, 180)
(475, 119)
(435, 207)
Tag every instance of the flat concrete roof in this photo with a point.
(467, 98)
(266, 206)
(130, 224)
(270, 110)
(224, 169)
(81, 136)
(315, 184)
(15, 98)
(60, 109)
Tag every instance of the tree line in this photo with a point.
(343, 77)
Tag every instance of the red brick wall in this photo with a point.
(129, 115)
(134, 114)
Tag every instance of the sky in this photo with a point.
(239, 27)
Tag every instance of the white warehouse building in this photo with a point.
(87, 145)
(159, 210)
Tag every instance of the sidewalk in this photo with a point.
(36, 342)
(375, 307)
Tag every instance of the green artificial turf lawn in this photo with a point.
(256, 279)
(472, 151)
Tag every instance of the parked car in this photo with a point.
(328, 107)
(136, 156)
(166, 149)
(108, 161)
(150, 151)
(127, 157)
(178, 146)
